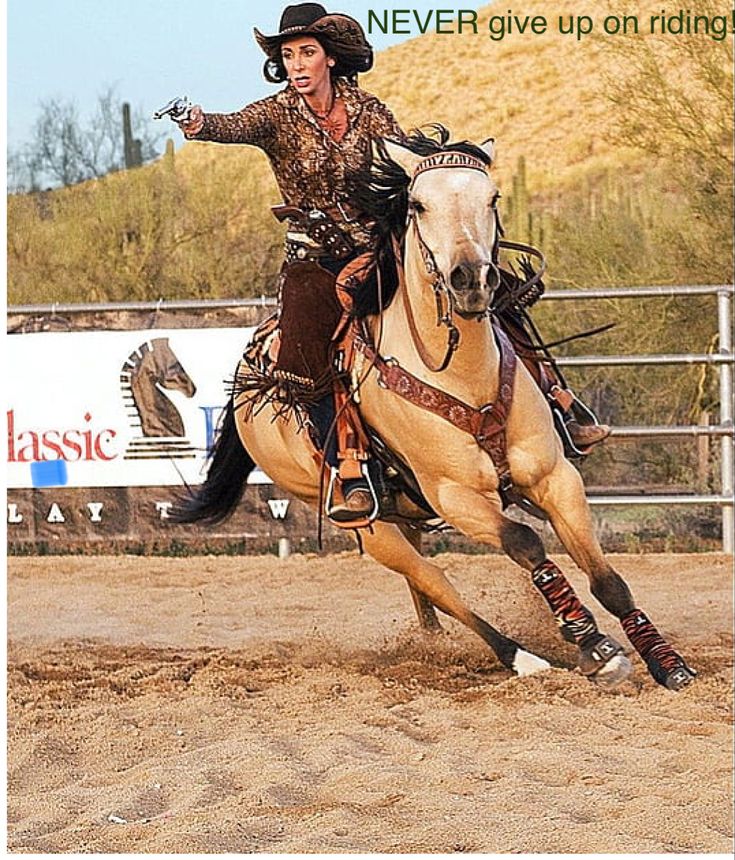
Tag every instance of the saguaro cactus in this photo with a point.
(521, 226)
(132, 146)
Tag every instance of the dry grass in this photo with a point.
(201, 226)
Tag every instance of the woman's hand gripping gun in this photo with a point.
(189, 117)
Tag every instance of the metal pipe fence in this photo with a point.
(723, 359)
(269, 301)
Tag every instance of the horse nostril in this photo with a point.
(461, 278)
(492, 278)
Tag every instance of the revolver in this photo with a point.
(178, 109)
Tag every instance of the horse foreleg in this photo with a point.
(562, 496)
(428, 620)
(388, 546)
(480, 517)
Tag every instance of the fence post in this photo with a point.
(703, 454)
(724, 320)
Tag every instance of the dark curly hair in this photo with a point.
(349, 60)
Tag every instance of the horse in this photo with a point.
(431, 354)
(147, 371)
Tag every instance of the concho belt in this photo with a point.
(314, 233)
(300, 248)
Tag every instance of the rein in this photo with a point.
(445, 318)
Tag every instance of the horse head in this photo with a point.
(451, 216)
(147, 370)
(167, 370)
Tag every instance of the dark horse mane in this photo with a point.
(381, 191)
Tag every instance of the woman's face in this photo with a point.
(307, 65)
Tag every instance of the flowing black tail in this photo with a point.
(220, 493)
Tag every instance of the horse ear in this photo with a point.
(488, 147)
(402, 156)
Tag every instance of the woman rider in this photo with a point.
(317, 133)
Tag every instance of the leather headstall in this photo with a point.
(442, 293)
(448, 159)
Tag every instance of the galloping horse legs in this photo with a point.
(562, 497)
(388, 546)
(600, 656)
(428, 620)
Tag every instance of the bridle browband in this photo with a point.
(448, 159)
(444, 316)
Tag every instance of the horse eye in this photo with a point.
(416, 206)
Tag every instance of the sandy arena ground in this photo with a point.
(257, 705)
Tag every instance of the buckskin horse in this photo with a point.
(457, 409)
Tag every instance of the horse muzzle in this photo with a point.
(473, 287)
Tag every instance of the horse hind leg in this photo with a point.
(388, 546)
(425, 611)
(565, 502)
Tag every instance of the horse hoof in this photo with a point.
(679, 678)
(526, 663)
(605, 663)
(593, 658)
(614, 672)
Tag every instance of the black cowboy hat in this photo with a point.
(312, 19)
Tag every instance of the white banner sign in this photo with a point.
(116, 409)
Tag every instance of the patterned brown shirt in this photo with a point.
(311, 168)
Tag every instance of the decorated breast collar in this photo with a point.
(448, 159)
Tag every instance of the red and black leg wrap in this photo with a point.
(664, 664)
(575, 620)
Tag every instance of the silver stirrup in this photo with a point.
(333, 475)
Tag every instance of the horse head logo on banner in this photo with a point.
(147, 374)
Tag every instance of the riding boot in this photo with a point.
(579, 422)
(351, 503)
(349, 498)
(575, 422)
(585, 436)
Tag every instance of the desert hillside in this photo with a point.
(197, 223)
(541, 96)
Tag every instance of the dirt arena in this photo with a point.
(256, 705)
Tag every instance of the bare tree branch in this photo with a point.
(65, 150)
